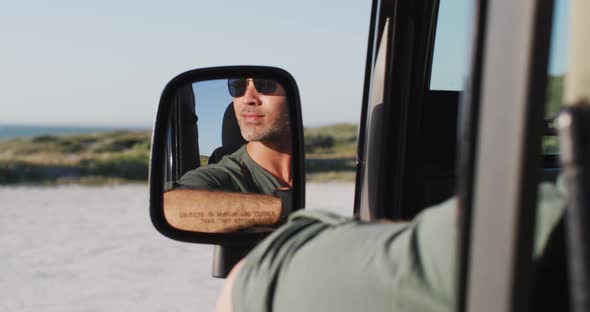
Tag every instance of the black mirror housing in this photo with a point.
(164, 141)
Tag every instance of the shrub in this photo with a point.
(314, 142)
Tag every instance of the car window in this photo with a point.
(451, 45)
(557, 67)
(451, 60)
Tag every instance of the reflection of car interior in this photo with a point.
(231, 137)
(183, 134)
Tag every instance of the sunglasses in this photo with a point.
(237, 87)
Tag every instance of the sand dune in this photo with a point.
(76, 248)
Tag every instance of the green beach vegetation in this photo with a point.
(330, 152)
(123, 157)
(100, 158)
(554, 102)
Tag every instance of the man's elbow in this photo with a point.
(224, 302)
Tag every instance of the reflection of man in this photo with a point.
(264, 163)
(261, 166)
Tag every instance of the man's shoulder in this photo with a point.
(213, 176)
(232, 173)
(237, 160)
(240, 164)
(226, 167)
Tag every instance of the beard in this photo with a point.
(268, 131)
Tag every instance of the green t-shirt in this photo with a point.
(323, 262)
(237, 172)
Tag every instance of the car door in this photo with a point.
(503, 161)
(407, 135)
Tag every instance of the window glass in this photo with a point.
(557, 71)
(451, 45)
(451, 57)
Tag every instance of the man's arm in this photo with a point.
(334, 263)
(372, 267)
(219, 212)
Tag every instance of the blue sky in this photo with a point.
(453, 34)
(211, 101)
(105, 63)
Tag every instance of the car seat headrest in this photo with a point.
(231, 136)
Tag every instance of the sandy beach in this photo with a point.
(77, 248)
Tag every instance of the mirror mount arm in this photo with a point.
(286, 196)
(225, 258)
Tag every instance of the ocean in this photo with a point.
(16, 131)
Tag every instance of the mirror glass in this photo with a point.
(228, 156)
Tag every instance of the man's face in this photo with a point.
(262, 117)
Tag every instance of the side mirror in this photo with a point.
(227, 160)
